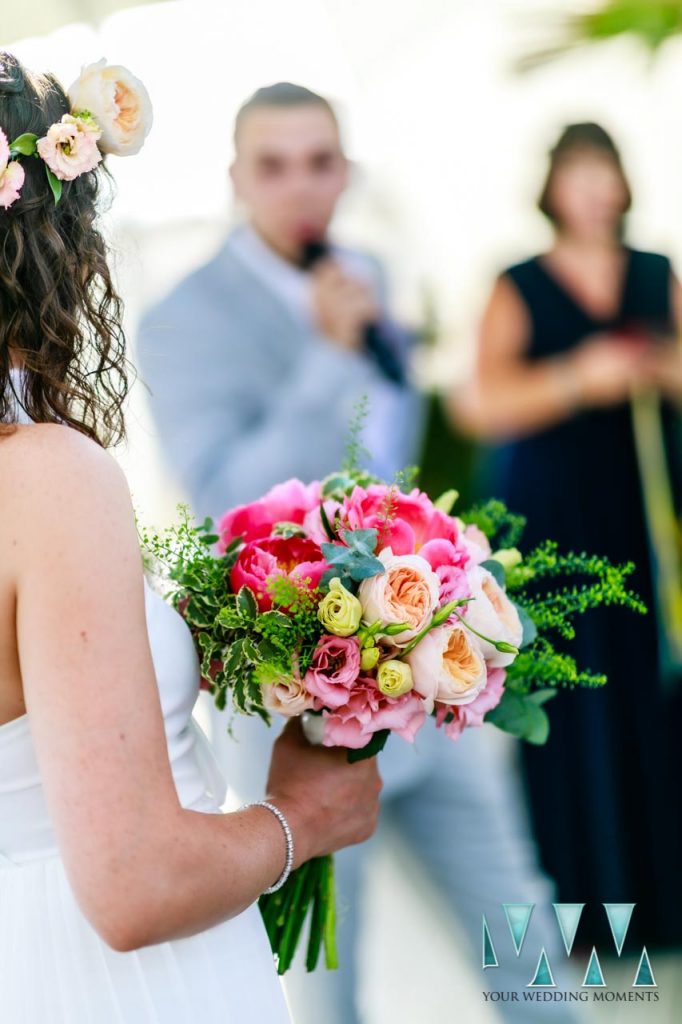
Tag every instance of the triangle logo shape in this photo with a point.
(619, 915)
(518, 916)
(568, 915)
(489, 955)
(594, 977)
(543, 974)
(645, 976)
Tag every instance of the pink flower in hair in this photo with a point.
(11, 175)
(70, 147)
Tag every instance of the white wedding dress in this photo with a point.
(54, 967)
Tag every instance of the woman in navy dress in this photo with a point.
(565, 338)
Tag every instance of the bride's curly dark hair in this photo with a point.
(59, 310)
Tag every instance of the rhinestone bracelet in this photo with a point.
(289, 838)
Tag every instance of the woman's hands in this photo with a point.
(329, 803)
(606, 368)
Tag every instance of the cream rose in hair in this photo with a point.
(119, 103)
(493, 614)
(406, 592)
(447, 666)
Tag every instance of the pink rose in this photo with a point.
(448, 561)
(367, 711)
(414, 518)
(476, 543)
(334, 669)
(296, 557)
(472, 715)
(11, 175)
(288, 502)
(70, 147)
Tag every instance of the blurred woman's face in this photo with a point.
(588, 195)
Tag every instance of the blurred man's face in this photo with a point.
(289, 171)
(588, 195)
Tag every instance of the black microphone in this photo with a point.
(312, 252)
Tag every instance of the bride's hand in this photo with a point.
(329, 802)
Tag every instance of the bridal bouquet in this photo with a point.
(369, 609)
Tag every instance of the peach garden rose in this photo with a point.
(447, 666)
(406, 592)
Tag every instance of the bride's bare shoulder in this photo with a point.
(51, 470)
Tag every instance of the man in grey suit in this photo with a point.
(255, 363)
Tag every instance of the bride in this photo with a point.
(125, 894)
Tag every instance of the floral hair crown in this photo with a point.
(110, 113)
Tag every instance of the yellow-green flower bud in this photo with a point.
(508, 557)
(369, 658)
(340, 611)
(394, 678)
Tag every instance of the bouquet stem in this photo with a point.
(284, 913)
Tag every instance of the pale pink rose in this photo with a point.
(120, 104)
(413, 519)
(407, 592)
(368, 711)
(261, 560)
(69, 148)
(288, 502)
(11, 181)
(334, 669)
(448, 561)
(447, 666)
(493, 614)
(475, 542)
(472, 715)
(287, 695)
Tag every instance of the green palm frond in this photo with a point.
(652, 22)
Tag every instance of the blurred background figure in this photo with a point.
(566, 340)
(255, 363)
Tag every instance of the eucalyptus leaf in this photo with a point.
(521, 716)
(530, 630)
(496, 569)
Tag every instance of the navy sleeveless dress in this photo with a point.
(605, 793)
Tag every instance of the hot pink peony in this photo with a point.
(367, 711)
(297, 557)
(466, 715)
(288, 502)
(334, 670)
(414, 519)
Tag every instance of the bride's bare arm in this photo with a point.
(143, 869)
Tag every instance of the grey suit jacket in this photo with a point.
(243, 396)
